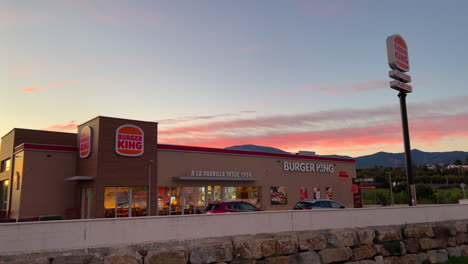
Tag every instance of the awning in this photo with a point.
(200, 178)
(79, 178)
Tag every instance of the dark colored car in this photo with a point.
(231, 207)
(318, 204)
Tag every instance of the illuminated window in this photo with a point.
(117, 201)
(4, 195)
(6, 165)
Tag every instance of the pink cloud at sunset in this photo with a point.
(340, 140)
(66, 127)
(333, 131)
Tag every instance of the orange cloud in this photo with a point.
(30, 90)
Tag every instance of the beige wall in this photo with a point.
(269, 171)
(15, 138)
(79, 234)
(43, 189)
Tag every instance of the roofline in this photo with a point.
(44, 147)
(39, 130)
(246, 153)
(124, 119)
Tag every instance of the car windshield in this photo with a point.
(212, 207)
(304, 205)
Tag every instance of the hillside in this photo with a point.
(380, 158)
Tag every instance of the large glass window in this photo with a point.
(164, 194)
(117, 201)
(6, 165)
(193, 200)
(230, 193)
(139, 201)
(201, 198)
(189, 200)
(4, 195)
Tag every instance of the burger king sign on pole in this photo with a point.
(129, 141)
(397, 52)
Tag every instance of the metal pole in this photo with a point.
(391, 190)
(409, 169)
(150, 163)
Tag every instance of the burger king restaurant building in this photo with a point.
(116, 168)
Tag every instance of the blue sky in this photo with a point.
(292, 74)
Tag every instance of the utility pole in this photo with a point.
(391, 190)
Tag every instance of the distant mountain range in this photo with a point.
(380, 158)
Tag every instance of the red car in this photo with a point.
(231, 207)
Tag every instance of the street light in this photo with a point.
(150, 163)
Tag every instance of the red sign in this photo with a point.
(354, 188)
(397, 52)
(85, 142)
(129, 141)
(397, 85)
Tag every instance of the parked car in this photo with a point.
(230, 207)
(318, 204)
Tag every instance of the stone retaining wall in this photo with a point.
(409, 244)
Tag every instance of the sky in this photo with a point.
(291, 74)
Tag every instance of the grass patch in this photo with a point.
(456, 260)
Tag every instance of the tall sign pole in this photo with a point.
(398, 60)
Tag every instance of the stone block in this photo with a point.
(243, 261)
(461, 238)
(311, 241)
(428, 243)
(277, 260)
(126, 258)
(423, 257)
(309, 257)
(366, 236)
(454, 251)
(388, 234)
(168, 256)
(442, 242)
(367, 261)
(379, 259)
(286, 243)
(268, 247)
(460, 227)
(436, 256)
(412, 245)
(410, 259)
(363, 252)
(209, 253)
(418, 232)
(392, 260)
(452, 241)
(339, 238)
(330, 255)
(380, 250)
(464, 250)
(248, 249)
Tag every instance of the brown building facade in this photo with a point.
(115, 168)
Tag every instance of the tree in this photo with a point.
(457, 162)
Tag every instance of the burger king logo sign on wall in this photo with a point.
(129, 141)
(85, 142)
